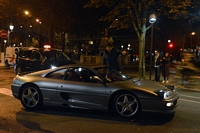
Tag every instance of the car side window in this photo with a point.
(20, 54)
(78, 74)
(36, 55)
(57, 74)
(85, 75)
(59, 55)
(72, 75)
(27, 54)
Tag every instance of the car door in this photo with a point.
(35, 62)
(77, 93)
(24, 60)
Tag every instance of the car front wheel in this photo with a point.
(126, 105)
(31, 97)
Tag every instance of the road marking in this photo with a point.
(189, 96)
(6, 91)
(189, 101)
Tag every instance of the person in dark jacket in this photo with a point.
(166, 62)
(111, 57)
(157, 60)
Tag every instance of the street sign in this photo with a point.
(3, 34)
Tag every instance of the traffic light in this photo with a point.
(171, 45)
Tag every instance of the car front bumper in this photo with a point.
(160, 105)
(15, 90)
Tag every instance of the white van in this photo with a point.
(10, 56)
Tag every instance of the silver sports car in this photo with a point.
(92, 87)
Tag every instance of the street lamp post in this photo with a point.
(5, 41)
(191, 43)
(38, 31)
(152, 20)
(11, 27)
(28, 15)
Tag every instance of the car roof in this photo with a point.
(82, 65)
(45, 72)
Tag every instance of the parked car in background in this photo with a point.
(92, 87)
(33, 59)
(10, 55)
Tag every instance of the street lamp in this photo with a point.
(5, 41)
(26, 12)
(37, 20)
(11, 27)
(38, 31)
(192, 34)
(152, 20)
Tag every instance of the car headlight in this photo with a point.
(53, 67)
(165, 94)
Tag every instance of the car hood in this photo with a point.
(141, 84)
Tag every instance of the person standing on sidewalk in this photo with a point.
(111, 57)
(166, 62)
(158, 60)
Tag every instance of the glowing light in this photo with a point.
(26, 12)
(169, 104)
(47, 46)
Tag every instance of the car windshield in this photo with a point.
(111, 75)
(52, 55)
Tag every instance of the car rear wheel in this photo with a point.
(126, 105)
(31, 97)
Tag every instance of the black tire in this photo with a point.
(31, 97)
(126, 105)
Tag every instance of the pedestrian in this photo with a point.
(157, 62)
(111, 57)
(166, 63)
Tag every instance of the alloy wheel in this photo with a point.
(30, 97)
(126, 105)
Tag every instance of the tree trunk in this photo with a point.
(142, 72)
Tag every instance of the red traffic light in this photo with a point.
(171, 45)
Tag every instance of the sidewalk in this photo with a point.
(192, 84)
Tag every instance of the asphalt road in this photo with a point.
(15, 119)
